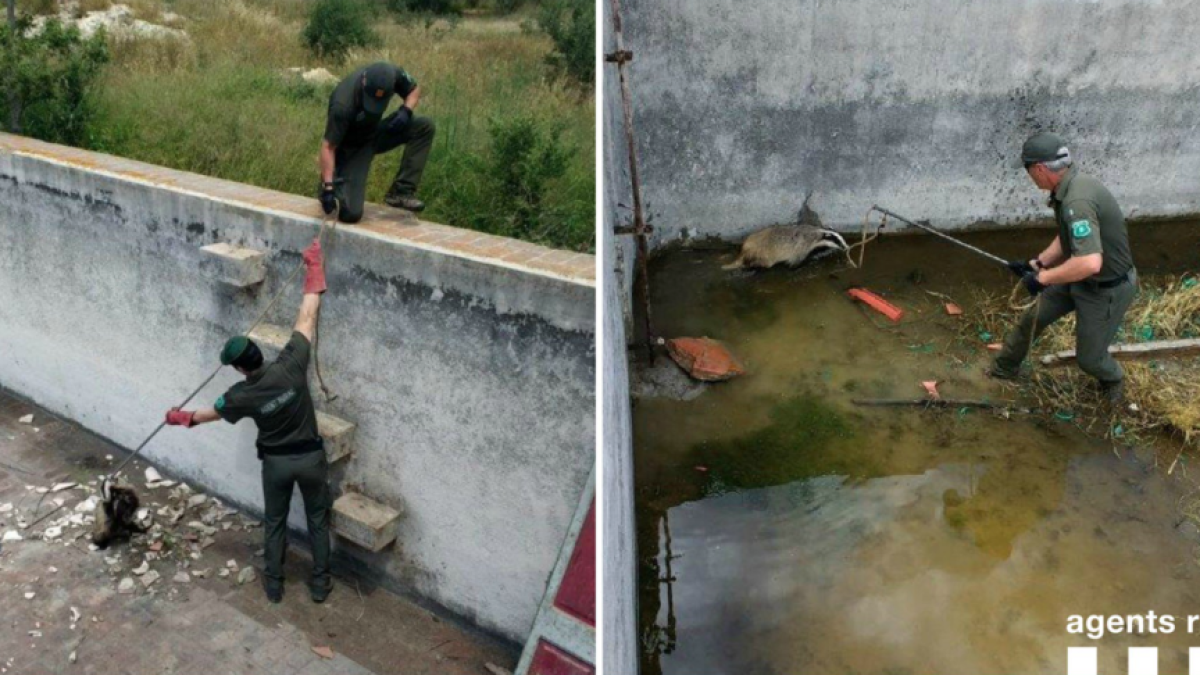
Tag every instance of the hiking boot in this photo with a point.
(997, 373)
(406, 202)
(1114, 393)
(319, 593)
(274, 592)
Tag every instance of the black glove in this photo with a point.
(328, 198)
(1032, 284)
(401, 119)
(1020, 267)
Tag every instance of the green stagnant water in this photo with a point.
(784, 530)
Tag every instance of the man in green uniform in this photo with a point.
(277, 398)
(1087, 269)
(356, 131)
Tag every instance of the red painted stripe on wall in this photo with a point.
(577, 594)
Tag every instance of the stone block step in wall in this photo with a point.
(338, 435)
(238, 266)
(364, 521)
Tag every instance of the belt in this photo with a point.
(1113, 283)
(303, 447)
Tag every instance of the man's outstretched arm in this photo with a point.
(314, 286)
(189, 419)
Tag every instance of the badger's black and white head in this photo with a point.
(834, 239)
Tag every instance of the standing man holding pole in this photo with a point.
(276, 396)
(356, 131)
(1087, 268)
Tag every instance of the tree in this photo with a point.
(571, 24)
(337, 26)
(50, 74)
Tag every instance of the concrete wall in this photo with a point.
(466, 360)
(620, 651)
(742, 107)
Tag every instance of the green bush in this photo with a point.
(337, 26)
(571, 24)
(525, 157)
(518, 187)
(52, 72)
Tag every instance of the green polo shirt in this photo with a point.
(1090, 221)
(276, 397)
(346, 123)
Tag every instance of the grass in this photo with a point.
(216, 104)
(1163, 391)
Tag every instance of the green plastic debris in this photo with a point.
(1145, 333)
(1065, 415)
(1118, 431)
(1190, 282)
(962, 412)
(985, 336)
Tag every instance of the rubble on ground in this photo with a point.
(181, 523)
(118, 21)
(317, 76)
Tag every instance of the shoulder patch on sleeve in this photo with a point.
(220, 404)
(1081, 229)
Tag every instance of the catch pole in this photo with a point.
(977, 251)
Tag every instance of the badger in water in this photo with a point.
(790, 244)
(116, 518)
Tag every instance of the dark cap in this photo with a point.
(1043, 147)
(379, 83)
(234, 348)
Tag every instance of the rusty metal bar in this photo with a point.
(621, 57)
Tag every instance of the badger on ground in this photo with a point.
(116, 516)
(788, 244)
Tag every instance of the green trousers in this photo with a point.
(279, 474)
(352, 164)
(1098, 315)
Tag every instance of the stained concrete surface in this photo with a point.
(466, 361)
(619, 653)
(207, 626)
(741, 108)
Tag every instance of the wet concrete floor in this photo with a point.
(785, 530)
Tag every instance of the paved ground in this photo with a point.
(206, 625)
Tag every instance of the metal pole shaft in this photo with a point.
(639, 220)
(943, 235)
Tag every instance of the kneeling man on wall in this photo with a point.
(356, 131)
(276, 396)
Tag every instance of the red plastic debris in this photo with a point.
(876, 303)
(704, 359)
(995, 347)
(702, 469)
(931, 389)
(953, 309)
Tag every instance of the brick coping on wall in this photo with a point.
(402, 227)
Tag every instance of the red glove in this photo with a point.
(314, 260)
(181, 418)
